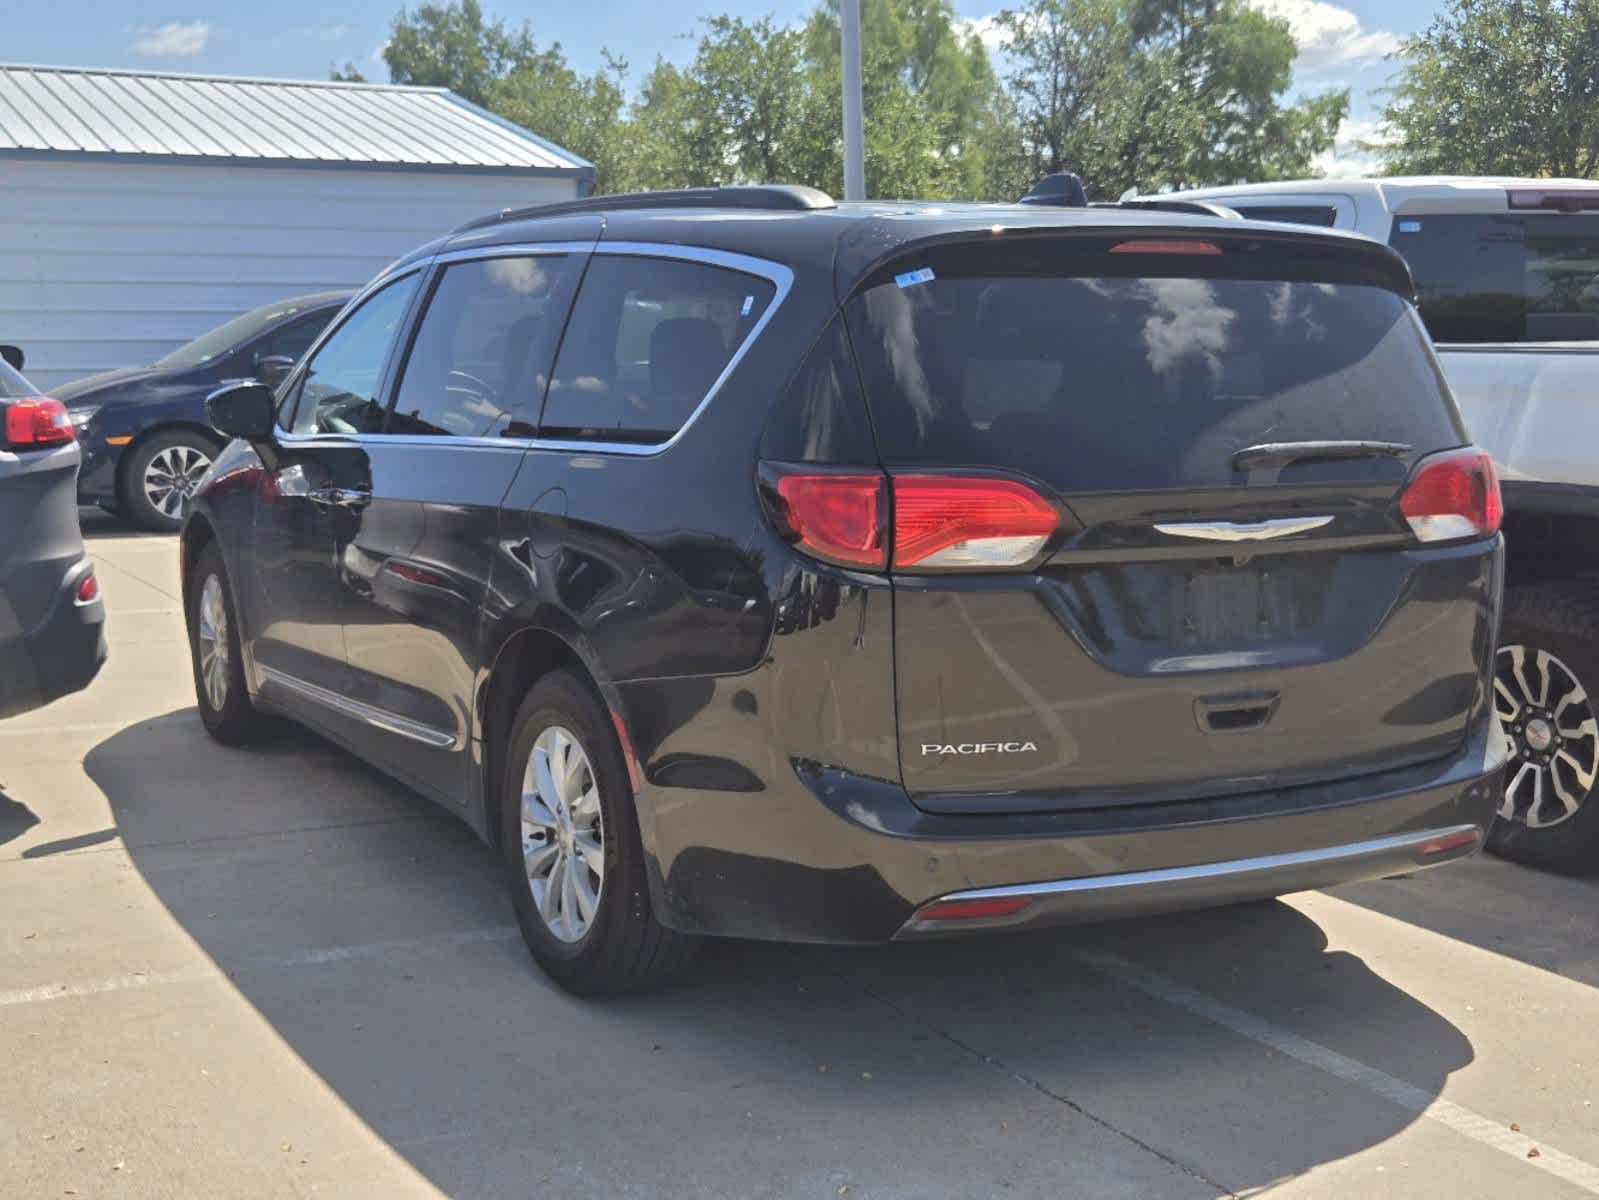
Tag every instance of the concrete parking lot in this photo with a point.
(275, 973)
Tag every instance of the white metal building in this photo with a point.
(138, 210)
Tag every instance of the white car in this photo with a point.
(1507, 279)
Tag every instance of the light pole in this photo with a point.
(854, 132)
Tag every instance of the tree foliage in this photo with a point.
(1499, 87)
(1129, 93)
(1160, 93)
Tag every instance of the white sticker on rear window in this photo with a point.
(1410, 227)
(912, 278)
(749, 303)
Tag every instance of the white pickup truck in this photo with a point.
(1507, 279)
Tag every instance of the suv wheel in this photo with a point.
(219, 689)
(161, 477)
(571, 848)
(1546, 692)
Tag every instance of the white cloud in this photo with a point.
(1348, 158)
(175, 39)
(1327, 35)
(985, 29)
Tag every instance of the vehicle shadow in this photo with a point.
(16, 818)
(1486, 902)
(1048, 1064)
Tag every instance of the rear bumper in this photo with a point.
(97, 479)
(59, 656)
(1127, 894)
(832, 857)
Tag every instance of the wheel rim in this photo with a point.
(563, 834)
(171, 478)
(1555, 739)
(213, 639)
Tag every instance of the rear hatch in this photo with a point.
(1224, 594)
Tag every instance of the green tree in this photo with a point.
(454, 46)
(582, 113)
(928, 93)
(1157, 94)
(1499, 87)
(348, 73)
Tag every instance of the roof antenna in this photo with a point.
(1064, 189)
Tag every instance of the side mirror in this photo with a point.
(273, 369)
(13, 356)
(246, 409)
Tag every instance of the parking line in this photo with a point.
(305, 958)
(1494, 1134)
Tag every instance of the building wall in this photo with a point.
(113, 264)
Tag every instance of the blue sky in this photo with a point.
(1341, 44)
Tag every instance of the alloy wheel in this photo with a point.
(1554, 736)
(213, 642)
(563, 834)
(171, 478)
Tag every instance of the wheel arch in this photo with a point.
(523, 658)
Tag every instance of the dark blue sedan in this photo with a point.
(144, 433)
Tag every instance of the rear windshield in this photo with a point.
(1511, 277)
(12, 384)
(1121, 383)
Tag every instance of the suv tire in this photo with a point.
(180, 456)
(1552, 631)
(219, 688)
(565, 807)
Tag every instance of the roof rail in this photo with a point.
(772, 197)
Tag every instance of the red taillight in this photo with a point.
(37, 422)
(946, 522)
(1165, 246)
(1453, 495)
(88, 589)
(939, 522)
(837, 517)
(971, 910)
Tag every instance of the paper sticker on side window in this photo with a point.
(912, 278)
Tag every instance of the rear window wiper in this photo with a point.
(1282, 454)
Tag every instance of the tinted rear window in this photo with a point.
(13, 384)
(1116, 382)
(1324, 215)
(1512, 277)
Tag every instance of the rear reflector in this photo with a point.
(1165, 246)
(971, 910)
(35, 423)
(1446, 843)
(88, 589)
(837, 517)
(1453, 495)
(953, 522)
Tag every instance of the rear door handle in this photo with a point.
(1243, 531)
(337, 497)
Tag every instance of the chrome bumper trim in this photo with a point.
(1099, 897)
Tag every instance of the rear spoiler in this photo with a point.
(1349, 257)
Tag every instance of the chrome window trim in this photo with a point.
(378, 718)
(778, 275)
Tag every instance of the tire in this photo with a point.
(219, 687)
(614, 944)
(160, 476)
(1549, 639)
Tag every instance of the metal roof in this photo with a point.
(84, 113)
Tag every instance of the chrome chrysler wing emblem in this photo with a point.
(1244, 531)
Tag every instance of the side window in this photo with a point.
(1514, 277)
(646, 340)
(480, 360)
(295, 338)
(339, 390)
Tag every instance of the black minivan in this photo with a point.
(740, 563)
